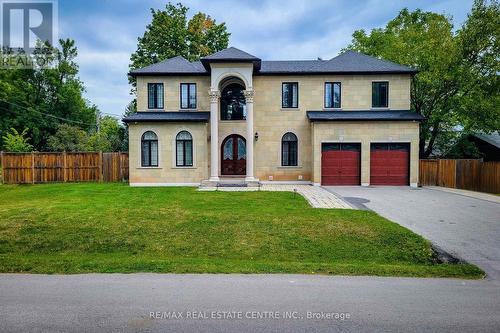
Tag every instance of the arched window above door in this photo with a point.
(232, 102)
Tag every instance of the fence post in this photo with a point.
(2, 166)
(33, 167)
(65, 166)
(100, 166)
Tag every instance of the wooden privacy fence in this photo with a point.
(474, 175)
(34, 168)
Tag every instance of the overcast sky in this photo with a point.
(106, 32)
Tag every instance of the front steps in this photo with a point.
(228, 182)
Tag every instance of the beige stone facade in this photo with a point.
(269, 123)
(167, 173)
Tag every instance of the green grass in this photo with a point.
(80, 228)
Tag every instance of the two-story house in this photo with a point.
(343, 121)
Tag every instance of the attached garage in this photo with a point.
(389, 163)
(340, 163)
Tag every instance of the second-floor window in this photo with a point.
(188, 95)
(332, 95)
(155, 95)
(380, 94)
(290, 95)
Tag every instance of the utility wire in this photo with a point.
(51, 115)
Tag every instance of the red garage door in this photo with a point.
(389, 163)
(340, 163)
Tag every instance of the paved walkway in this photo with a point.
(317, 196)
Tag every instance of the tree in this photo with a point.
(110, 136)
(41, 98)
(445, 90)
(17, 142)
(68, 138)
(170, 34)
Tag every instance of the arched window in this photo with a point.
(184, 149)
(149, 149)
(232, 102)
(289, 149)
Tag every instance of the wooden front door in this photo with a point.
(234, 155)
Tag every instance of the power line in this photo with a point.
(44, 113)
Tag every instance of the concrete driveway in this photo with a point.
(466, 227)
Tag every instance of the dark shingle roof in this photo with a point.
(231, 53)
(349, 62)
(149, 116)
(492, 139)
(401, 115)
(176, 65)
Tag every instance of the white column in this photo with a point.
(250, 134)
(214, 135)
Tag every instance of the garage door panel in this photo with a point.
(389, 164)
(340, 164)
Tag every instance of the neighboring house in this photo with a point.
(344, 121)
(488, 145)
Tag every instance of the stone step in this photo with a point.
(231, 185)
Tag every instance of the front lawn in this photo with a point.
(79, 228)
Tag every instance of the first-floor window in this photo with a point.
(155, 95)
(184, 149)
(290, 95)
(149, 149)
(289, 150)
(380, 94)
(188, 95)
(332, 94)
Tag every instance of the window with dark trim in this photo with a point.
(290, 95)
(380, 94)
(289, 149)
(332, 94)
(155, 95)
(188, 95)
(184, 149)
(149, 149)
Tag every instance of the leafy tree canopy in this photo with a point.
(171, 34)
(457, 86)
(42, 98)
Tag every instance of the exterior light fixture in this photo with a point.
(256, 136)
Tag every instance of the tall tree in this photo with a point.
(442, 91)
(42, 97)
(171, 34)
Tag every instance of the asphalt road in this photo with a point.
(124, 303)
(468, 228)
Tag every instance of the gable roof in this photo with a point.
(349, 62)
(492, 139)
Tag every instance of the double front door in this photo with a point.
(233, 156)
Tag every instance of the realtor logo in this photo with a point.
(23, 23)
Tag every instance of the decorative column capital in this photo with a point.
(249, 94)
(214, 95)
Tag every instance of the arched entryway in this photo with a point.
(234, 156)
